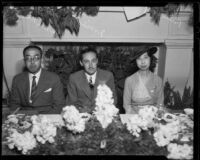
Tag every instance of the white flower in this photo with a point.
(166, 133)
(105, 110)
(180, 151)
(12, 119)
(135, 124)
(148, 113)
(74, 121)
(43, 129)
(142, 121)
(11, 7)
(24, 142)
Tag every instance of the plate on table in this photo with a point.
(168, 117)
(189, 111)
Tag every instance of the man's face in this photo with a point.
(32, 60)
(89, 62)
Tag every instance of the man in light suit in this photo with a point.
(82, 86)
(36, 91)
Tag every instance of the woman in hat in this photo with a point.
(143, 87)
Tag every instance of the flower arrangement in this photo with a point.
(178, 130)
(168, 129)
(19, 135)
(26, 132)
(105, 110)
(119, 141)
(74, 121)
(180, 151)
(166, 133)
(172, 135)
(142, 121)
(43, 129)
(22, 141)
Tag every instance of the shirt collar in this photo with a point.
(37, 74)
(93, 76)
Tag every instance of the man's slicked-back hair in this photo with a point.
(86, 51)
(32, 47)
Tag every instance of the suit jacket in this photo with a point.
(81, 95)
(49, 95)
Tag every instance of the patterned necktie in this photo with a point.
(33, 88)
(90, 83)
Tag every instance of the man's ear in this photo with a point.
(81, 63)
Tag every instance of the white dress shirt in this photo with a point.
(93, 77)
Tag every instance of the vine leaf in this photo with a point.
(59, 18)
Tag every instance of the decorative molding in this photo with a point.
(111, 9)
(15, 42)
(108, 39)
(120, 9)
(179, 43)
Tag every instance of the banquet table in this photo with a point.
(89, 143)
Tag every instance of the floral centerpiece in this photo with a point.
(22, 141)
(177, 135)
(173, 131)
(144, 120)
(102, 133)
(105, 109)
(74, 121)
(26, 132)
(43, 129)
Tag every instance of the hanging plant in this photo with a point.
(168, 10)
(59, 18)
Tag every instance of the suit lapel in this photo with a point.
(26, 87)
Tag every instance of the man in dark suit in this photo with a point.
(36, 90)
(82, 86)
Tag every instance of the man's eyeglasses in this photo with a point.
(34, 59)
(92, 61)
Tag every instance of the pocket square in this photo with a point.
(48, 90)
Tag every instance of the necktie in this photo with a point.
(90, 83)
(33, 88)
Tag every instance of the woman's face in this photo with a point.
(143, 62)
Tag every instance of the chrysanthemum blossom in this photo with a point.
(43, 129)
(180, 151)
(23, 142)
(105, 109)
(142, 121)
(74, 121)
(167, 133)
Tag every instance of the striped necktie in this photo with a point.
(33, 88)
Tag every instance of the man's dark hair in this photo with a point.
(32, 47)
(86, 51)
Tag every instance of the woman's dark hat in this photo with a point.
(142, 49)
